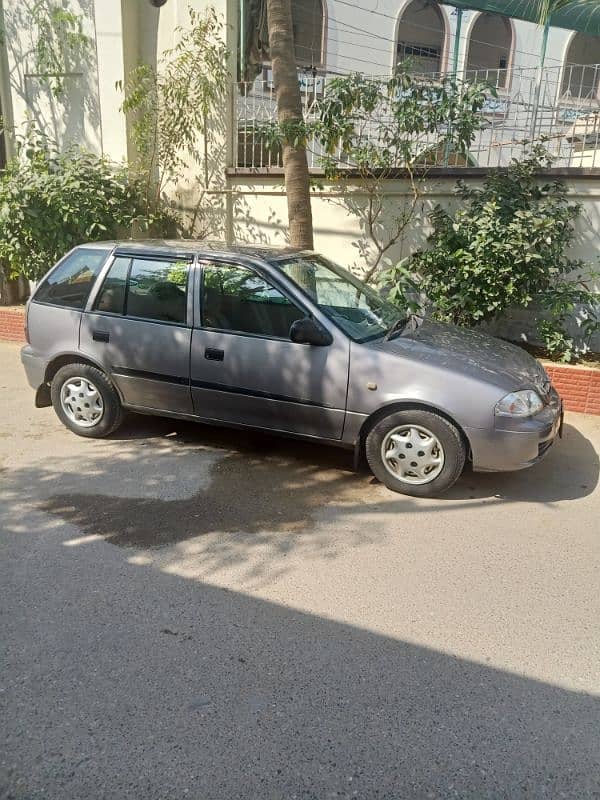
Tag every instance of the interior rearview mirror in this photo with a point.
(307, 331)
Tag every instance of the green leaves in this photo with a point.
(506, 247)
(51, 201)
(177, 106)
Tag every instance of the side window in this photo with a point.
(157, 290)
(71, 283)
(112, 295)
(237, 299)
(146, 288)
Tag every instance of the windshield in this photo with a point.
(353, 306)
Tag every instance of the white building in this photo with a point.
(332, 37)
(340, 36)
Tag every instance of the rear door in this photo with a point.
(246, 370)
(139, 329)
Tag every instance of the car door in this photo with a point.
(246, 370)
(138, 327)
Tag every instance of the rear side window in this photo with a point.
(70, 284)
(147, 289)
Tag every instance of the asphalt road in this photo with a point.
(191, 612)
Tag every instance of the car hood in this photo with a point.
(467, 351)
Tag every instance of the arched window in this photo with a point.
(581, 76)
(307, 19)
(489, 50)
(421, 36)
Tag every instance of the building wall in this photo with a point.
(74, 116)
(360, 38)
(123, 34)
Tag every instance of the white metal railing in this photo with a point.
(564, 109)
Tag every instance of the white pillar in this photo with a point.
(109, 44)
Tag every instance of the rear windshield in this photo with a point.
(70, 284)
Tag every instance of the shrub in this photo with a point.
(505, 247)
(51, 201)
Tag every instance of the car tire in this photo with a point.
(415, 452)
(85, 401)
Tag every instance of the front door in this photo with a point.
(138, 329)
(246, 370)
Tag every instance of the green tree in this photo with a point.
(376, 130)
(546, 8)
(505, 247)
(51, 200)
(177, 112)
(289, 115)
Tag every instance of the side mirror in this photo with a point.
(307, 331)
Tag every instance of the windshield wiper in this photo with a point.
(396, 328)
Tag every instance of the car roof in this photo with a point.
(190, 247)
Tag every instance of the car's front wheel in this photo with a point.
(416, 452)
(86, 401)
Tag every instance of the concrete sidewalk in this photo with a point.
(193, 612)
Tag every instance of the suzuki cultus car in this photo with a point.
(284, 341)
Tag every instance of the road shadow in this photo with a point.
(571, 469)
(123, 681)
(248, 491)
(260, 498)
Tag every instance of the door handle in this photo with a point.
(212, 354)
(100, 336)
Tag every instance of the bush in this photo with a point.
(505, 247)
(51, 201)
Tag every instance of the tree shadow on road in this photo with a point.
(571, 469)
(259, 498)
(130, 682)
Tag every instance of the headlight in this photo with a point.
(519, 404)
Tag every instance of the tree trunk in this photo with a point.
(289, 109)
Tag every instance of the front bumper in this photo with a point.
(514, 443)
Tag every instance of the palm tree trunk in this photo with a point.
(289, 109)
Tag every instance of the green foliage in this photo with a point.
(173, 108)
(505, 247)
(51, 201)
(60, 44)
(373, 128)
(405, 122)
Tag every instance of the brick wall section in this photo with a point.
(579, 387)
(12, 324)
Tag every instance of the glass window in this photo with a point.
(237, 299)
(581, 74)
(157, 290)
(421, 36)
(112, 295)
(70, 284)
(357, 309)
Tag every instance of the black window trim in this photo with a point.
(103, 274)
(205, 261)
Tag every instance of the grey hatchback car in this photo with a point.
(285, 341)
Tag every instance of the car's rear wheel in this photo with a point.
(85, 401)
(416, 452)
